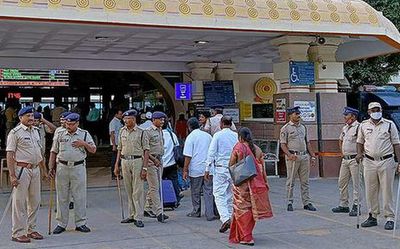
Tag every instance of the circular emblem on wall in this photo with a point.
(354, 18)
(265, 88)
(315, 16)
(373, 19)
(184, 8)
(312, 6)
(272, 4)
(160, 6)
(335, 17)
(295, 15)
(253, 13)
(250, 3)
(274, 14)
(332, 7)
(82, 3)
(54, 1)
(230, 11)
(292, 5)
(350, 8)
(135, 4)
(110, 4)
(208, 10)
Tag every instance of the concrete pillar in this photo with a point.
(201, 71)
(328, 70)
(226, 71)
(291, 48)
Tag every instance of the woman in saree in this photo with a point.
(250, 199)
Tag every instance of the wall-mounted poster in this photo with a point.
(307, 109)
(280, 111)
(218, 93)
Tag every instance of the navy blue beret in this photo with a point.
(64, 114)
(73, 117)
(295, 109)
(157, 115)
(130, 113)
(37, 115)
(349, 110)
(25, 110)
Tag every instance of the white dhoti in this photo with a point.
(222, 191)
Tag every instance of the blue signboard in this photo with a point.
(301, 73)
(218, 93)
(183, 91)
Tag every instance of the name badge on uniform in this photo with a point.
(27, 138)
(63, 140)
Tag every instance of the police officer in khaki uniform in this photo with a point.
(153, 136)
(296, 146)
(69, 152)
(23, 158)
(377, 141)
(349, 168)
(133, 151)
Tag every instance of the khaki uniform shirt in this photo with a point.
(378, 140)
(154, 137)
(132, 142)
(294, 136)
(348, 136)
(62, 145)
(25, 143)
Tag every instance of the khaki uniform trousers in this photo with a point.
(349, 169)
(134, 187)
(301, 168)
(379, 176)
(153, 201)
(25, 202)
(71, 181)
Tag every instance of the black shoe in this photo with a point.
(128, 220)
(138, 223)
(83, 229)
(193, 214)
(251, 243)
(370, 222)
(225, 226)
(71, 205)
(353, 211)
(149, 214)
(162, 217)
(389, 225)
(310, 207)
(58, 230)
(341, 209)
(290, 207)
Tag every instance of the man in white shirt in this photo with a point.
(170, 168)
(215, 120)
(195, 152)
(114, 127)
(148, 122)
(219, 154)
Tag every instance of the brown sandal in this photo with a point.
(35, 235)
(21, 239)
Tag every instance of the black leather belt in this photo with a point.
(298, 153)
(349, 157)
(72, 163)
(130, 157)
(379, 158)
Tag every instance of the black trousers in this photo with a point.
(171, 173)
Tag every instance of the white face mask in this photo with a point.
(376, 115)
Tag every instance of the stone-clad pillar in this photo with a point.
(291, 48)
(200, 71)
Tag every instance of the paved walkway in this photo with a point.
(298, 229)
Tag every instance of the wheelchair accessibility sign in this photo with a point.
(301, 73)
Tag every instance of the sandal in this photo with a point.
(35, 235)
(21, 239)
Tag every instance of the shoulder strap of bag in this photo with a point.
(84, 138)
(170, 133)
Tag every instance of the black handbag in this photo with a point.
(178, 152)
(243, 170)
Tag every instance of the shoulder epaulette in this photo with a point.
(16, 129)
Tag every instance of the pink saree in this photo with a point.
(250, 201)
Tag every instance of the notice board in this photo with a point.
(218, 93)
